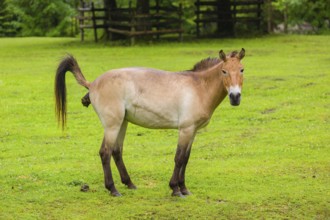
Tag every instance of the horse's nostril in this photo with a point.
(234, 96)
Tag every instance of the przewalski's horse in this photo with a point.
(154, 99)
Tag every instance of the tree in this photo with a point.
(43, 17)
(225, 27)
(315, 12)
(7, 21)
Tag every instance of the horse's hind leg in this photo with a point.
(107, 149)
(118, 157)
(105, 154)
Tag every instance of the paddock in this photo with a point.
(269, 158)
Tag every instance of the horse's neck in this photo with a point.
(215, 90)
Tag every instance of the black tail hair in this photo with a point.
(68, 63)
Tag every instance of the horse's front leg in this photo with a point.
(182, 172)
(177, 182)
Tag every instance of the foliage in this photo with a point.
(56, 17)
(43, 17)
(7, 21)
(188, 14)
(314, 12)
(266, 159)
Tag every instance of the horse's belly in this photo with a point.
(151, 118)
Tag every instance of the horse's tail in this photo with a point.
(68, 63)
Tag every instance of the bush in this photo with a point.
(296, 12)
(42, 17)
(8, 26)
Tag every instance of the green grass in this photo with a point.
(267, 159)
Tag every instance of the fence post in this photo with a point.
(197, 18)
(157, 21)
(94, 22)
(81, 21)
(133, 23)
(180, 20)
(259, 15)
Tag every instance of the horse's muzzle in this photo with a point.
(235, 99)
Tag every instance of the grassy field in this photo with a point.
(269, 158)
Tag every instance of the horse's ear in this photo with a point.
(222, 55)
(241, 54)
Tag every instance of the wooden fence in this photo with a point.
(239, 11)
(91, 18)
(131, 23)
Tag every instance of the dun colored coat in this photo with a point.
(154, 98)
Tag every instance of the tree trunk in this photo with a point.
(225, 23)
(269, 16)
(143, 7)
(110, 4)
(286, 18)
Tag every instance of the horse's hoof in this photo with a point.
(131, 186)
(116, 194)
(178, 194)
(186, 192)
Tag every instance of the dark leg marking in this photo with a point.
(105, 155)
(174, 182)
(118, 157)
(182, 172)
(125, 178)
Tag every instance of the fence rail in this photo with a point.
(89, 19)
(238, 11)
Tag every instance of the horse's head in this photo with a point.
(232, 72)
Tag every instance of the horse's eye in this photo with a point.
(224, 72)
(242, 70)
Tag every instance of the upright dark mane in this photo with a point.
(205, 64)
(210, 62)
(233, 54)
